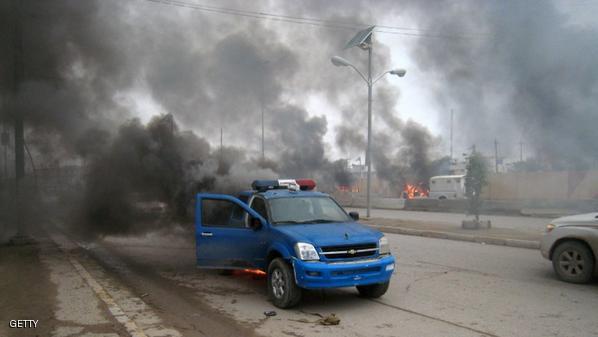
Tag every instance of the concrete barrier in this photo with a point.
(460, 237)
(357, 200)
(547, 208)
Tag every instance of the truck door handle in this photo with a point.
(207, 234)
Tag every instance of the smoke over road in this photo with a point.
(525, 70)
(89, 68)
(83, 63)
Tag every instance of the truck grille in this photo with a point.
(350, 251)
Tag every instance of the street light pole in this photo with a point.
(368, 154)
(363, 39)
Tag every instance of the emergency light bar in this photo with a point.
(298, 184)
(262, 185)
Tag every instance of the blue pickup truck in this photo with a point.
(301, 238)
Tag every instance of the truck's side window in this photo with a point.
(221, 213)
(259, 206)
(238, 212)
(238, 215)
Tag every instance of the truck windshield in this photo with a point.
(305, 210)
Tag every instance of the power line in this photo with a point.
(385, 29)
(340, 23)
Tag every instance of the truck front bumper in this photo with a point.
(317, 275)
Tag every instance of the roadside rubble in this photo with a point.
(330, 319)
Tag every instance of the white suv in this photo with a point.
(571, 243)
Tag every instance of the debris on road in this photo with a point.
(331, 319)
(270, 313)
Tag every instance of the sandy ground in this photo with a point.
(40, 283)
(441, 288)
(177, 305)
(70, 295)
(26, 291)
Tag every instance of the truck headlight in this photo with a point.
(306, 251)
(383, 246)
(550, 227)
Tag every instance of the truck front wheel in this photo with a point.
(373, 290)
(281, 284)
(573, 262)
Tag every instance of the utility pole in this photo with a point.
(263, 152)
(520, 151)
(368, 156)
(18, 117)
(221, 145)
(5, 144)
(451, 155)
(496, 155)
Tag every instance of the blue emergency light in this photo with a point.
(264, 185)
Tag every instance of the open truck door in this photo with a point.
(228, 233)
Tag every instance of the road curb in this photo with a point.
(460, 237)
(64, 244)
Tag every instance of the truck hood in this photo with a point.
(330, 234)
(587, 219)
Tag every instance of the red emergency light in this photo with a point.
(306, 184)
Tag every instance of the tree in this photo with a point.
(476, 178)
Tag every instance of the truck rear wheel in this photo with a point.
(282, 289)
(373, 290)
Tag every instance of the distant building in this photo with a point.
(458, 166)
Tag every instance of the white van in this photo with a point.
(447, 187)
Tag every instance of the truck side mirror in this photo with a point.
(354, 215)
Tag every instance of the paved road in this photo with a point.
(441, 288)
(498, 221)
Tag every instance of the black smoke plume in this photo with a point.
(86, 65)
(516, 71)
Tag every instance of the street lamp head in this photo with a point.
(398, 72)
(340, 62)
